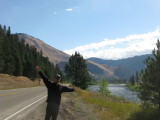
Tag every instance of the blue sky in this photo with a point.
(108, 29)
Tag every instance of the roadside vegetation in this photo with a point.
(151, 113)
(109, 107)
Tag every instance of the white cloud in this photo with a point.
(69, 10)
(119, 48)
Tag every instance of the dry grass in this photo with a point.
(11, 82)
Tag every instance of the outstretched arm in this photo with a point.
(43, 76)
(67, 89)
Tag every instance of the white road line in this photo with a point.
(24, 108)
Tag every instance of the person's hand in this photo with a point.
(38, 68)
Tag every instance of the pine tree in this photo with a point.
(18, 65)
(1, 31)
(137, 77)
(4, 29)
(132, 80)
(8, 32)
(150, 76)
(77, 71)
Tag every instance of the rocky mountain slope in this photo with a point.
(52, 53)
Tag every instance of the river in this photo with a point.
(119, 90)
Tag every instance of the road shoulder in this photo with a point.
(72, 108)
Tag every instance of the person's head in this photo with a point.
(57, 78)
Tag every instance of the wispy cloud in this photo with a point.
(119, 48)
(69, 10)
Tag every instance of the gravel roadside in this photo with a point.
(72, 108)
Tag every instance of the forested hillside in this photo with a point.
(20, 59)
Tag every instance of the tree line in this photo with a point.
(19, 59)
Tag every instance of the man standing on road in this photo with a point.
(54, 94)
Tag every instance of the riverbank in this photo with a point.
(120, 90)
(140, 112)
(109, 107)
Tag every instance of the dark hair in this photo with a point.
(58, 76)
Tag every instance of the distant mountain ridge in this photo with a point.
(98, 68)
(124, 68)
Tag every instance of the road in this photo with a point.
(15, 103)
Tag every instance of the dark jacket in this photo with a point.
(54, 89)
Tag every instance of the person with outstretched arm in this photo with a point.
(54, 94)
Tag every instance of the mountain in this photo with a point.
(124, 68)
(58, 57)
(98, 68)
(100, 71)
(52, 53)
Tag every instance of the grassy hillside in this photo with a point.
(11, 82)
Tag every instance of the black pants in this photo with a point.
(52, 111)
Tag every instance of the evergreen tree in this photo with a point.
(1, 49)
(8, 32)
(132, 80)
(137, 77)
(19, 67)
(1, 31)
(4, 30)
(77, 71)
(150, 76)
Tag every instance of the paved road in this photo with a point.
(14, 102)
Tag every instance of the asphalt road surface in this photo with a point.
(15, 103)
